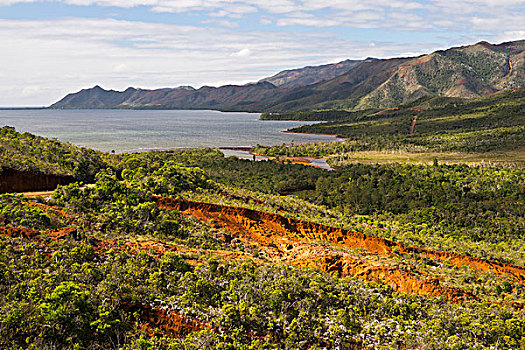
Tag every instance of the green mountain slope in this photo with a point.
(487, 129)
(468, 72)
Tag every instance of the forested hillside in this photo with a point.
(36, 154)
(490, 128)
(188, 249)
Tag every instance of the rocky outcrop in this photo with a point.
(12, 180)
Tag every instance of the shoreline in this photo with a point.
(316, 162)
(245, 135)
(339, 137)
(236, 148)
(247, 152)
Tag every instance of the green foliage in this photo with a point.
(15, 210)
(72, 301)
(37, 154)
(72, 295)
(170, 179)
(67, 312)
(265, 176)
(329, 115)
(119, 208)
(487, 124)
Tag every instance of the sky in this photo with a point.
(52, 48)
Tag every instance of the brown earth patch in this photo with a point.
(170, 322)
(398, 278)
(241, 218)
(12, 180)
(292, 160)
(19, 232)
(296, 242)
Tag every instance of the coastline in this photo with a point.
(152, 130)
(245, 152)
(316, 162)
(313, 161)
(339, 137)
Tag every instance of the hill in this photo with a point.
(34, 154)
(455, 130)
(463, 72)
(312, 74)
(187, 249)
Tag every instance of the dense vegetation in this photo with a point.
(75, 301)
(317, 115)
(37, 154)
(264, 176)
(495, 123)
(128, 254)
(475, 210)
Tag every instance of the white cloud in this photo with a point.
(395, 14)
(308, 21)
(499, 23)
(42, 60)
(31, 90)
(120, 67)
(242, 53)
(222, 23)
(508, 36)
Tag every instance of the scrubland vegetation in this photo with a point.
(109, 266)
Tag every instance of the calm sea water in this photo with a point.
(128, 130)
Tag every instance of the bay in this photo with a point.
(139, 130)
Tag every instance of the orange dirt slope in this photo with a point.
(297, 242)
(289, 228)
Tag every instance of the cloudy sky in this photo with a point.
(51, 48)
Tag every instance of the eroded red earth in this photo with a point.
(287, 240)
(297, 242)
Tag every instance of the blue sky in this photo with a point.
(51, 48)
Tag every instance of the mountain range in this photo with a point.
(467, 71)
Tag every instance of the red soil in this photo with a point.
(12, 180)
(413, 125)
(19, 232)
(293, 160)
(293, 241)
(170, 322)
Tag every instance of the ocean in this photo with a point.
(139, 130)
